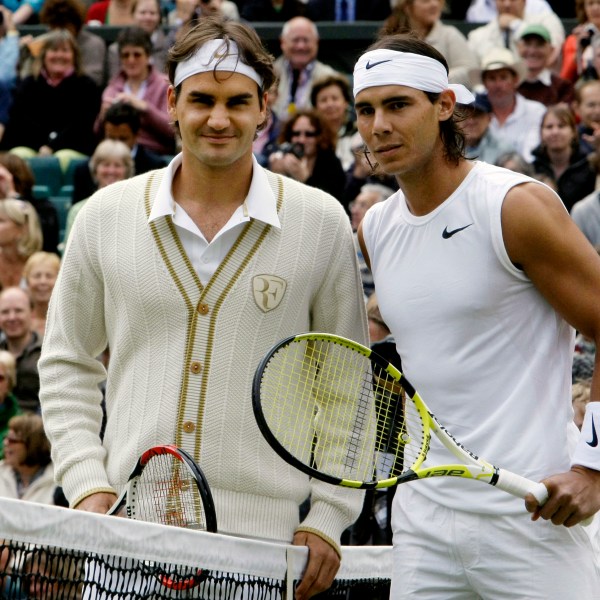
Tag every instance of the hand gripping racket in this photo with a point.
(340, 413)
(166, 486)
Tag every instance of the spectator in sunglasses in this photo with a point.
(26, 472)
(307, 154)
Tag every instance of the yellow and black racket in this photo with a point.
(340, 413)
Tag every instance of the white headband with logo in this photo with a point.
(390, 67)
(214, 56)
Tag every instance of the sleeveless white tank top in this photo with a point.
(486, 351)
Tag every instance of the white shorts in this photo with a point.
(443, 554)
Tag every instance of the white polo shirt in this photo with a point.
(260, 204)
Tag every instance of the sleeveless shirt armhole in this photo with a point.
(368, 232)
(496, 203)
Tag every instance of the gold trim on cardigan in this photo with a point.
(173, 255)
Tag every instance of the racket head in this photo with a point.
(339, 412)
(167, 486)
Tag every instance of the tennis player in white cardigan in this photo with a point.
(189, 275)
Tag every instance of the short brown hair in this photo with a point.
(30, 428)
(338, 80)
(55, 38)
(251, 50)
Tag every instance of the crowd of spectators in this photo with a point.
(70, 94)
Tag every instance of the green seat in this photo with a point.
(47, 171)
(62, 205)
(66, 190)
(69, 173)
(40, 192)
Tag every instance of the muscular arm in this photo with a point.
(541, 237)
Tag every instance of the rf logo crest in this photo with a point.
(268, 291)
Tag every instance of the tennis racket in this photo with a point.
(340, 413)
(166, 486)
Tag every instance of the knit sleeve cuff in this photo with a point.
(327, 539)
(83, 479)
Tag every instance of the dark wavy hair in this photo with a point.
(450, 132)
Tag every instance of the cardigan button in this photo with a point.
(189, 426)
(195, 367)
(203, 308)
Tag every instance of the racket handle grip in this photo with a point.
(521, 486)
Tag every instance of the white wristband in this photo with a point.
(587, 451)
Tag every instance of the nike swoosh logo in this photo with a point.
(594, 441)
(370, 65)
(448, 234)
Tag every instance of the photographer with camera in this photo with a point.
(576, 48)
(306, 153)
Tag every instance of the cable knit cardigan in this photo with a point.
(183, 353)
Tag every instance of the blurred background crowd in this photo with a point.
(83, 104)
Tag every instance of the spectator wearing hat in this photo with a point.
(502, 30)
(535, 49)
(480, 142)
(515, 119)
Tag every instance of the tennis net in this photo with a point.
(53, 553)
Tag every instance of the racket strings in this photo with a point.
(330, 409)
(166, 493)
(400, 430)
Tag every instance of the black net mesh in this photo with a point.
(52, 553)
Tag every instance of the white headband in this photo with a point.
(210, 57)
(389, 67)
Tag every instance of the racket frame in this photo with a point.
(129, 493)
(471, 467)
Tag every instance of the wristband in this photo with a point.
(587, 451)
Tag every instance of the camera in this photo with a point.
(292, 148)
(587, 40)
